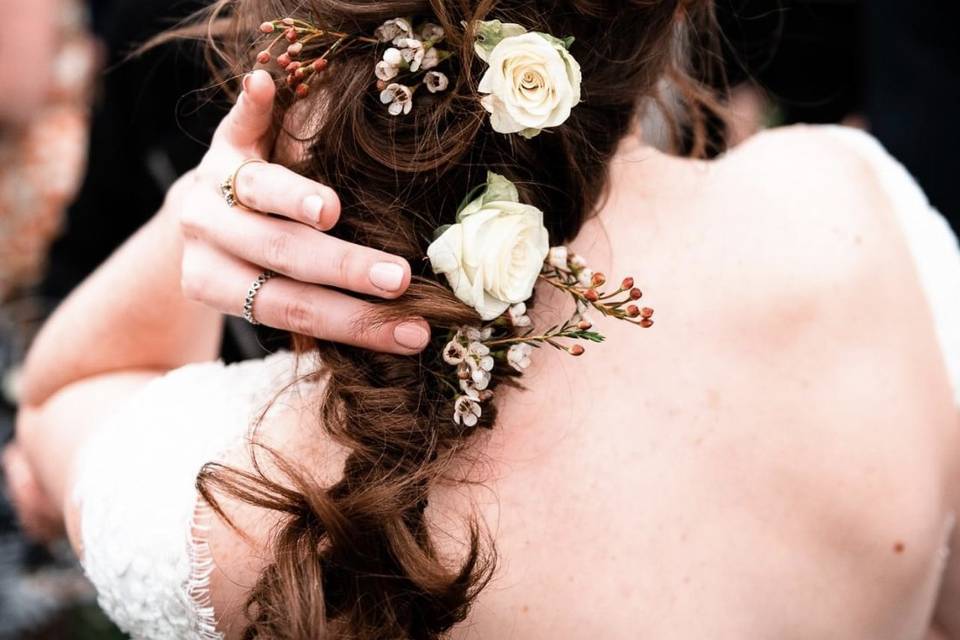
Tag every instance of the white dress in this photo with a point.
(143, 542)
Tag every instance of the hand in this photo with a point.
(38, 516)
(225, 248)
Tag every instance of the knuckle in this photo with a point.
(300, 317)
(276, 252)
(192, 281)
(342, 269)
(191, 222)
(248, 186)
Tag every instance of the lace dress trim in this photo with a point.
(143, 523)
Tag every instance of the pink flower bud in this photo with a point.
(584, 325)
(633, 311)
(646, 312)
(646, 324)
(283, 60)
(303, 90)
(320, 64)
(577, 350)
(636, 294)
(382, 84)
(264, 57)
(627, 283)
(598, 279)
(291, 35)
(295, 49)
(267, 27)
(293, 66)
(287, 21)
(592, 295)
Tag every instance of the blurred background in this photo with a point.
(90, 141)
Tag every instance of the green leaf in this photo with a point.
(555, 41)
(499, 189)
(469, 198)
(491, 33)
(440, 231)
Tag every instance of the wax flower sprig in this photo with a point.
(492, 257)
(411, 56)
(569, 272)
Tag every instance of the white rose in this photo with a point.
(533, 82)
(494, 254)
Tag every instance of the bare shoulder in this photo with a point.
(815, 224)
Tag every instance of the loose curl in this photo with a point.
(356, 559)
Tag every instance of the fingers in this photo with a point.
(251, 117)
(221, 281)
(273, 188)
(300, 252)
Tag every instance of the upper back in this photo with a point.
(780, 433)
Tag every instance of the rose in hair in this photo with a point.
(493, 256)
(533, 82)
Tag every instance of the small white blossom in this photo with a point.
(454, 352)
(478, 349)
(518, 315)
(481, 379)
(469, 389)
(466, 411)
(578, 261)
(393, 57)
(430, 32)
(412, 51)
(435, 81)
(519, 356)
(557, 258)
(474, 334)
(585, 277)
(386, 71)
(392, 30)
(399, 97)
(431, 58)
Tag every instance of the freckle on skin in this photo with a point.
(525, 609)
(899, 547)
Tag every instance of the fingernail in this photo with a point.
(313, 207)
(246, 81)
(411, 336)
(387, 276)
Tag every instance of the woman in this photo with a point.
(774, 459)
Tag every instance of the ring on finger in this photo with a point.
(229, 186)
(252, 295)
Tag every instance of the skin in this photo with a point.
(29, 40)
(776, 458)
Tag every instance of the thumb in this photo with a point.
(251, 117)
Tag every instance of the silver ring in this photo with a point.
(252, 295)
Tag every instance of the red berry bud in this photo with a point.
(291, 35)
(267, 27)
(320, 64)
(633, 311)
(303, 90)
(626, 284)
(646, 312)
(577, 350)
(295, 49)
(584, 325)
(636, 294)
(283, 60)
(598, 279)
(592, 295)
(264, 57)
(646, 324)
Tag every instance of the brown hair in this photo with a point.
(356, 559)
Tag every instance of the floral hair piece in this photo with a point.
(492, 257)
(532, 82)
